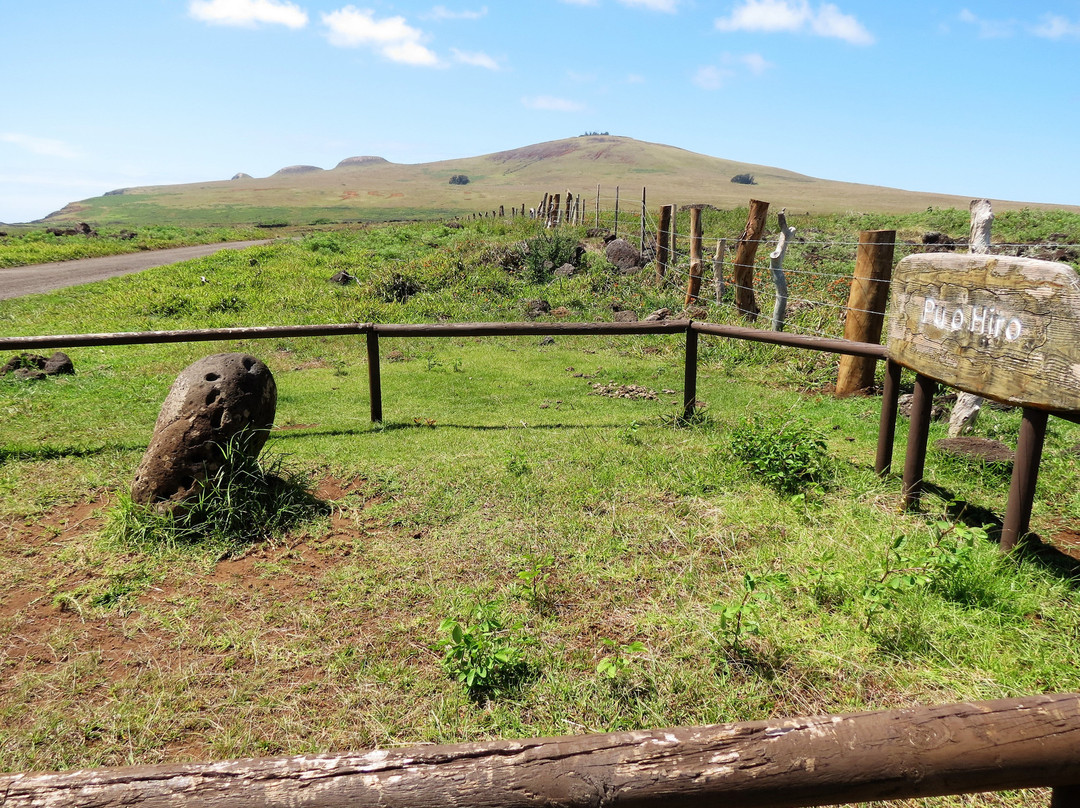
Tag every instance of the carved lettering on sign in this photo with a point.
(984, 321)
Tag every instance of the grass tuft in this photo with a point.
(249, 499)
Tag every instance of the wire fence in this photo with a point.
(818, 271)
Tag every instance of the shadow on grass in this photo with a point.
(1032, 548)
(400, 426)
(7, 453)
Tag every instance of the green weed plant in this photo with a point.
(788, 455)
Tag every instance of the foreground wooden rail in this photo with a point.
(823, 760)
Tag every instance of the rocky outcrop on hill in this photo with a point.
(349, 162)
(289, 170)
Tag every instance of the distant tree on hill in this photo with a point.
(744, 179)
(594, 134)
(459, 179)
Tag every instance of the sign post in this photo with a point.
(1004, 328)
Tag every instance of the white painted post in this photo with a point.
(966, 410)
(776, 267)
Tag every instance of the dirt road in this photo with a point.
(19, 281)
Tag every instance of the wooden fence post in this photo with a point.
(662, 242)
(776, 267)
(690, 374)
(745, 251)
(374, 377)
(922, 402)
(673, 251)
(890, 397)
(866, 307)
(693, 283)
(1029, 446)
(718, 269)
(597, 206)
(641, 246)
(616, 231)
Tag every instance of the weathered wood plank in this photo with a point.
(948, 749)
(1001, 327)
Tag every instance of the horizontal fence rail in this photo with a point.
(823, 760)
(829, 345)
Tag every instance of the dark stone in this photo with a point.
(219, 399)
(659, 314)
(548, 340)
(622, 254)
(536, 308)
(342, 278)
(939, 242)
(565, 271)
(941, 407)
(626, 316)
(23, 361)
(59, 364)
(28, 374)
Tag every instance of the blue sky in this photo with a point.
(976, 99)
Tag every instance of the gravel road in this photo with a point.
(30, 280)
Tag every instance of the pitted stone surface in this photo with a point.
(211, 402)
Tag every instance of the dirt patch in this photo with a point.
(530, 154)
(984, 449)
(613, 390)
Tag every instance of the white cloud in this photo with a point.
(714, 77)
(443, 13)
(43, 146)
(635, 78)
(393, 37)
(248, 12)
(711, 77)
(796, 16)
(549, 103)
(988, 29)
(755, 63)
(475, 59)
(1053, 26)
(653, 5)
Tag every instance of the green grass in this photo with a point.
(606, 546)
(22, 246)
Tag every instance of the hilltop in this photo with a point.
(372, 188)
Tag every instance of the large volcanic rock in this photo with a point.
(211, 402)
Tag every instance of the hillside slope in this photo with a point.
(371, 188)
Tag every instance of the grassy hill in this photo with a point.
(373, 189)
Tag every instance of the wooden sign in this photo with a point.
(1001, 327)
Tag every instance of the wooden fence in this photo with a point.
(1021, 497)
(951, 749)
(822, 760)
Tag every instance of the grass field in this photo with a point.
(633, 571)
